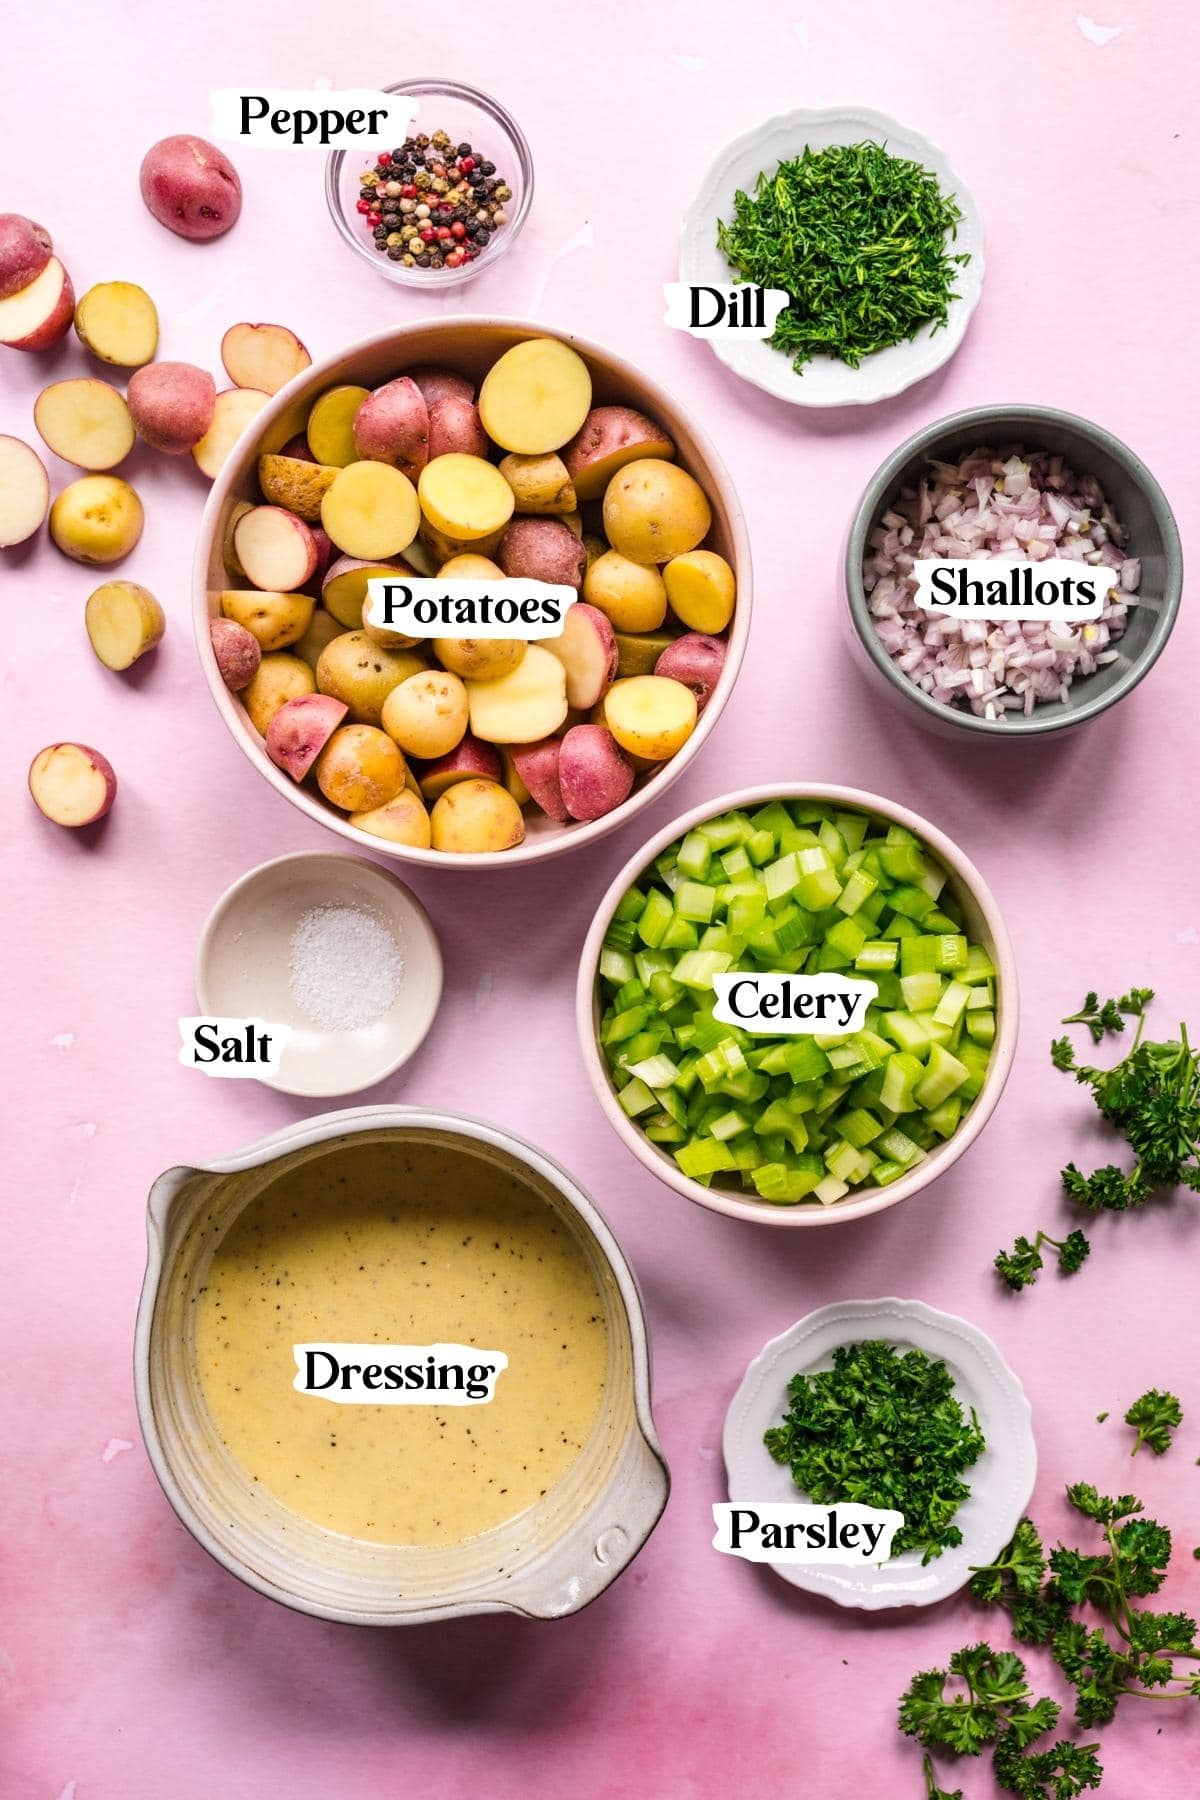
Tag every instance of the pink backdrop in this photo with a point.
(131, 1667)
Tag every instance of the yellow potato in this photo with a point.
(472, 568)
(427, 714)
(540, 484)
(363, 674)
(379, 634)
(123, 621)
(118, 322)
(85, 421)
(371, 511)
(299, 486)
(535, 397)
(521, 707)
(631, 595)
(443, 548)
(476, 816)
(330, 429)
(654, 511)
(650, 716)
(479, 659)
(702, 590)
(402, 820)
(279, 678)
(464, 497)
(97, 519)
(359, 769)
(276, 620)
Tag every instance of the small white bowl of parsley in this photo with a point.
(892, 1404)
(864, 223)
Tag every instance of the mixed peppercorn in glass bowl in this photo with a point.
(447, 200)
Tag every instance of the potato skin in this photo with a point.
(191, 187)
(427, 714)
(276, 620)
(401, 820)
(238, 653)
(542, 550)
(702, 590)
(25, 249)
(392, 426)
(697, 661)
(632, 596)
(610, 438)
(476, 817)
(97, 519)
(654, 511)
(296, 483)
(279, 677)
(171, 405)
(363, 674)
(593, 771)
(479, 659)
(454, 428)
(360, 768)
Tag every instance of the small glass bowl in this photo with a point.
(470, 117)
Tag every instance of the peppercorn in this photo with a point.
(421, 181)
(463, 150)
(366, 193)
(410, 262)
(384, 157)
(362, 206)
(422, 140)
(423, 259)
(395, 252)
(503, 192)
(380, 234)
(421, 211)
(489, 168)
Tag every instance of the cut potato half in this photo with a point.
(118, 322)
(536, 397)
(123, 621)
(262, 356)
(235, 410)
(24, 492)
(85, 421)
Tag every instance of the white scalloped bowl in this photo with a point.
(825, 381)
(1001, 1482)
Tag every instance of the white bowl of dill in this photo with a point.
(865, 225)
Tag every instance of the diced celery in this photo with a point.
(819, 884)
(944, 1118)
(981, 1027)
(721, 833)
(910, 902)
(805, 1061)
(634, 1098)
(919, 955)
(616, 965)
(953, 951)
(655, 917)
(922, 992)
(975, 1059)
(735, 862)
(904, 1029)
(884, 1173)
(663, 1129)
(848, 937)
(623, 1025)
(782, 877)
(656, 1071)
(760, 847)
(681, 934)
(901, 1075)
(902, 861)
(853, 827)
(952, 1004)
(859, 1127)
(830, 1189)
(704, 1156)
(729, 1125)
(876, 955)
(979, 963)
(695, 901)
(944, 1074)
(695, 854)
(777, 1182)
(696, 968)
(629, 906)
(981, 998)
(896, 1146)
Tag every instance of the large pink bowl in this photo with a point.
(472, 345)
(982, 918)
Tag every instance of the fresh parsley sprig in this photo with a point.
(1154, 1416)
(1021, 1266)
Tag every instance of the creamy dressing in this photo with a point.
(402, 1244)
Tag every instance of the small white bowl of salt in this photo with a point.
(337, 955)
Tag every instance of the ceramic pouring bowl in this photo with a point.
(549, 1561)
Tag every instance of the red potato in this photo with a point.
(72, 784)
(298, 449)
(262, 356)
(392, 426)
(455, 429)
(191, 187)
(172, 405)
(85, 421)
(587, 650)
(594, 772)
(300, 730)
(25, 249)
(468, 761)
(542, 550)
(40, 314)
(24, 492)
(238, 653)
(537, 765)
(324, 553)
(696, 661)
(276, 549)
(610, 437)
(441, 384)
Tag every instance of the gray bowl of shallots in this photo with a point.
(1012, 483)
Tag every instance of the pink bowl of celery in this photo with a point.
(780, 1127)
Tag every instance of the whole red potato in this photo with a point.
(191, 187)
(25, 249)
(171, 405)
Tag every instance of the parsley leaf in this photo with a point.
(1021, 1266)
(1154, 1416)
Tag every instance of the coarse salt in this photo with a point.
(345, 967)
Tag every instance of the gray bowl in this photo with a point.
(1137, 500)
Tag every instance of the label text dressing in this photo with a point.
(398, 1374)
